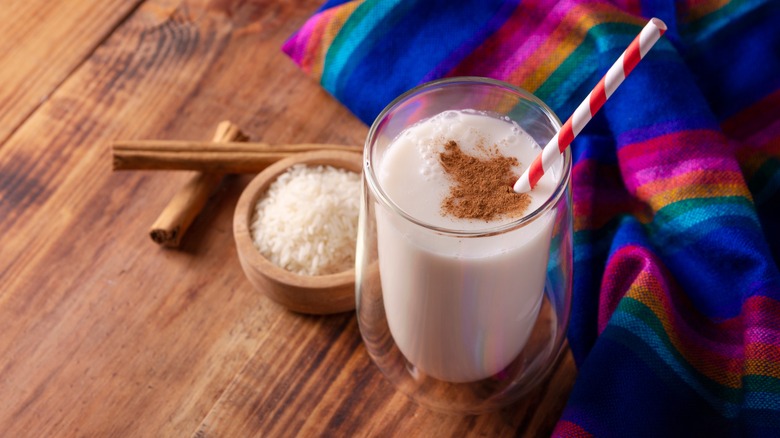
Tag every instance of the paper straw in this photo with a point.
(637, 50)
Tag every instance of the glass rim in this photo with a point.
(376, 188)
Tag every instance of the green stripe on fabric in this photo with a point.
(585, 61)
(645, 314)
(671, 211)
(758, 383)
(351, 36)
(595, 242)
(705, 26)
(688, 225)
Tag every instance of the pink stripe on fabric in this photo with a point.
(295, 47)
(532, 29)
(537, 30)
(554, 41)
(762, 335)
(664, 153)
(666, 147)
(492, 52)
(568, 429)
(648, 175)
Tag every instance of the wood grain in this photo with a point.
(42, 42)
(104, 333)
(336, 391)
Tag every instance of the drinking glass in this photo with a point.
(443, 312)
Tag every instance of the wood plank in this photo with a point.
(42, 42)
(104, 333)
(322, 382)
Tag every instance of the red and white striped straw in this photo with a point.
(637, 50)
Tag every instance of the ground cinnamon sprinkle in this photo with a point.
(482, 188)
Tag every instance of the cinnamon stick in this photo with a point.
(186, 204)
(210, 157)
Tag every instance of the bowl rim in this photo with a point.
(244, 213)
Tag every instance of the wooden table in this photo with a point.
(106, 334)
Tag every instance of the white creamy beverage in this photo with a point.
(459, 308)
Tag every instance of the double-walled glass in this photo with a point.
(463, 321)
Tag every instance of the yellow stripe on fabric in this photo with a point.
(698, 191)
(563, 41)
(758, 366)
(687, 180)
(313, 45)
(340, 16)
(694, 10)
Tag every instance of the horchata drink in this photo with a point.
(462, 309)
(460, 279)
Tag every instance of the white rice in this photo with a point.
(307, 221)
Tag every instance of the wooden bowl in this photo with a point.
(323, 294)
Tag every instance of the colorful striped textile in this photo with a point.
(676, 309)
